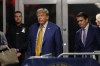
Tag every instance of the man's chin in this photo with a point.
(41, 22)
(18, 22)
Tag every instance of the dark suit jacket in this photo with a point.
(92, 40)
(52, 41)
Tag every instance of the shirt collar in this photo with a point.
(45, 25)
(87, 26)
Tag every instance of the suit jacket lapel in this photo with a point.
(36, 32)
(47, 31)
(89, 35)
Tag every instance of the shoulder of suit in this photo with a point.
(93, 26)
(53, 25)
(23, 25)
(78, 31)
(34, 25)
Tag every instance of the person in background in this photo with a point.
(98, 19)
(17, 36)
(98, 24)
(3, 44)
(87, 37)
(44, 36)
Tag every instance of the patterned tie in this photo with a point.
(39, 42)
(84, 36)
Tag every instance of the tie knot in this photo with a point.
(41, 27)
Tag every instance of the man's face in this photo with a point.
(82, 22)
(42, 18)
(18, 17)
(97, 22)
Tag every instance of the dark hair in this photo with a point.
(18, 12)
(82, 14)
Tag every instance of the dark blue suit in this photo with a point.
(92, 40)
(52, 41)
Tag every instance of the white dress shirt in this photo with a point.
(86, 30)
(44, 29)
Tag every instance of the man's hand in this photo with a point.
(18, 54)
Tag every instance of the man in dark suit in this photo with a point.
(51, 41)
(17, 36)
(86, 39)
